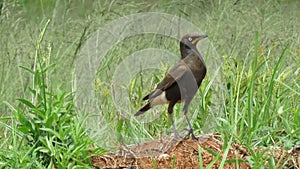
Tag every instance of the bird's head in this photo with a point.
(192, 39)
(188, 43)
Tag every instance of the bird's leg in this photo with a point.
(176, 134)
(170, 111)
(191, 130)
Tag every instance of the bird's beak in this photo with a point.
(198, 38)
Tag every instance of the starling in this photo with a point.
(181, 83)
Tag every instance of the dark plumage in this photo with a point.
(182, 81)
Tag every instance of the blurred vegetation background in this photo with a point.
(258, 40)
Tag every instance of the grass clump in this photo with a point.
(46, 130)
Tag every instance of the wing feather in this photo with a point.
(175, 74)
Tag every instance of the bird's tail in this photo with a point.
(143, 109)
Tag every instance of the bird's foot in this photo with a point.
(177, 136)
(191, 133)
(194, 137)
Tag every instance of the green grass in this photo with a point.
(259, 45)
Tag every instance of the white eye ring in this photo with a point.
(190, 39)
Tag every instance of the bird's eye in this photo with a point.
(190, 39)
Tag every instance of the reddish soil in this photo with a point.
(171, 153)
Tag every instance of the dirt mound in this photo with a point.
(171, 153)
(179, 154)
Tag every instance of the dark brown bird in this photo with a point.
(182, 81)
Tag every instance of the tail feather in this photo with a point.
(146, 97)
(143, 109)
(153, 94)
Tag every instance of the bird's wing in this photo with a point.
(174, 75)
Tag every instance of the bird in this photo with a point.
(181, 83)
